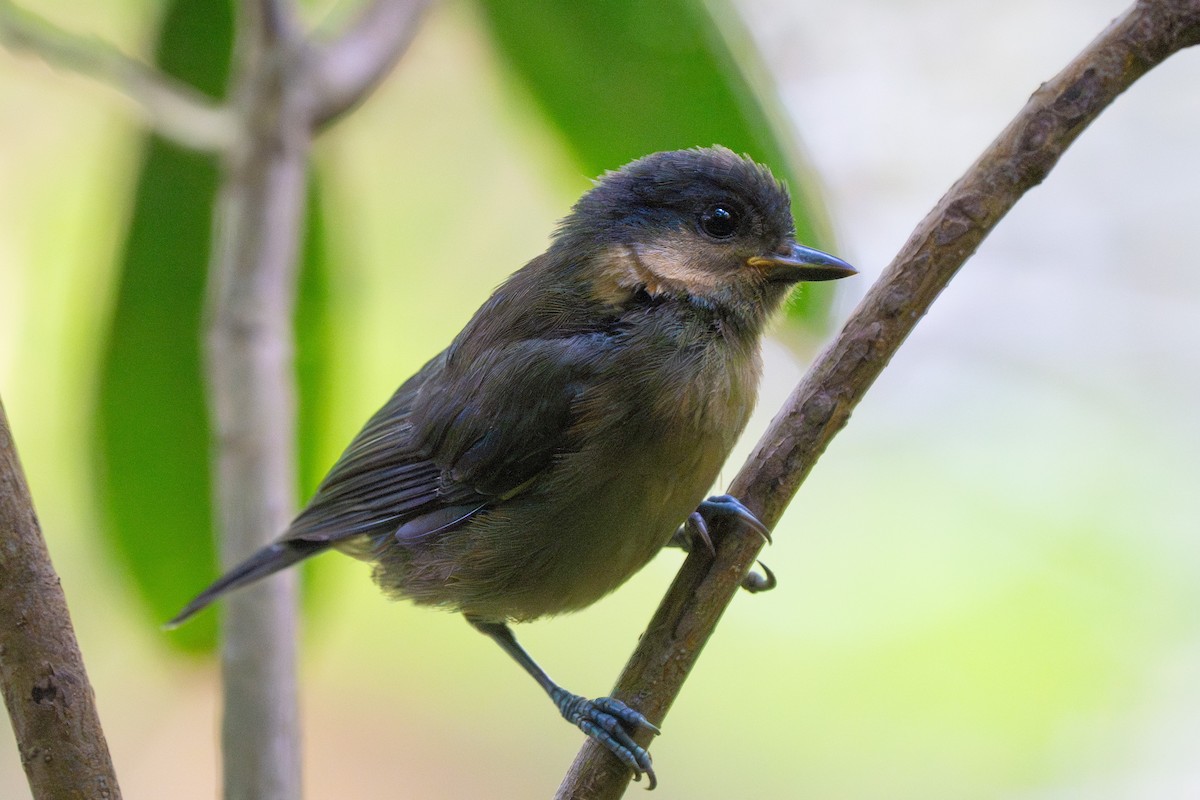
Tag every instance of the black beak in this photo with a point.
(800, 263)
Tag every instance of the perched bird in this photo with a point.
(574, 425)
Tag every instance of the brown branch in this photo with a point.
(42, 676)
(820, 406)
(347, 69)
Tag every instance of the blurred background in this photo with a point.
(988, 587)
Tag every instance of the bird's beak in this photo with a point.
(799, 263)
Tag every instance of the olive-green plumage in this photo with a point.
(585, 410)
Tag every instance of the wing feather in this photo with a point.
(467, 430)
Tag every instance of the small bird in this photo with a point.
(576, 423)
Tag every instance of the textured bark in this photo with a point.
(45, 686)
(821, 404)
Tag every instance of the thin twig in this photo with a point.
(42, 676)
(820, 406)
(171, 107)
(347, 69)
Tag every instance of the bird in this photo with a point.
(574, 427)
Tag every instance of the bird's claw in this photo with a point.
(726, 505)
(612, 723)
(695, 528)
(699, 528)
(755, 583)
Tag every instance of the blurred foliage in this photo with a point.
(152, 422)
(313, 341)
(624, 78)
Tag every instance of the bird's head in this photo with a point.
(705, 225)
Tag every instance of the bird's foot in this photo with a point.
(726, 505)
(695, 529)
(611, 723)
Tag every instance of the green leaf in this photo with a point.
(152, 421)
(153, 425)
(314, 337)
(623, 78)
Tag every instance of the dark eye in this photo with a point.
(719, 221)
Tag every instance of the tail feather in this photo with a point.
(266, 561)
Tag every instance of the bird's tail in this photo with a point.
(266, 561)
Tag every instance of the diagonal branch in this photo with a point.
(42, 677)
(348, 68)
(171, 107)
(820, 406)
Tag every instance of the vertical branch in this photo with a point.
(252, 283)
(42, 677)
(279, 95)
(1019, 159)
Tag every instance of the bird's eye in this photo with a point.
(719, 221)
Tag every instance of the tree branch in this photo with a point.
(258, 225)
(346, 70)
(278, 20)
(821, 404)
(42, 676)
(171, 107)
(252, 285)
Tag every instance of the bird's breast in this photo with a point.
(644, 458)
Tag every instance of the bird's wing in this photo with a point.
(381, 481)
(510, 408)
(469, 430)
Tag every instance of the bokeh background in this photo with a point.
(989, 585)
